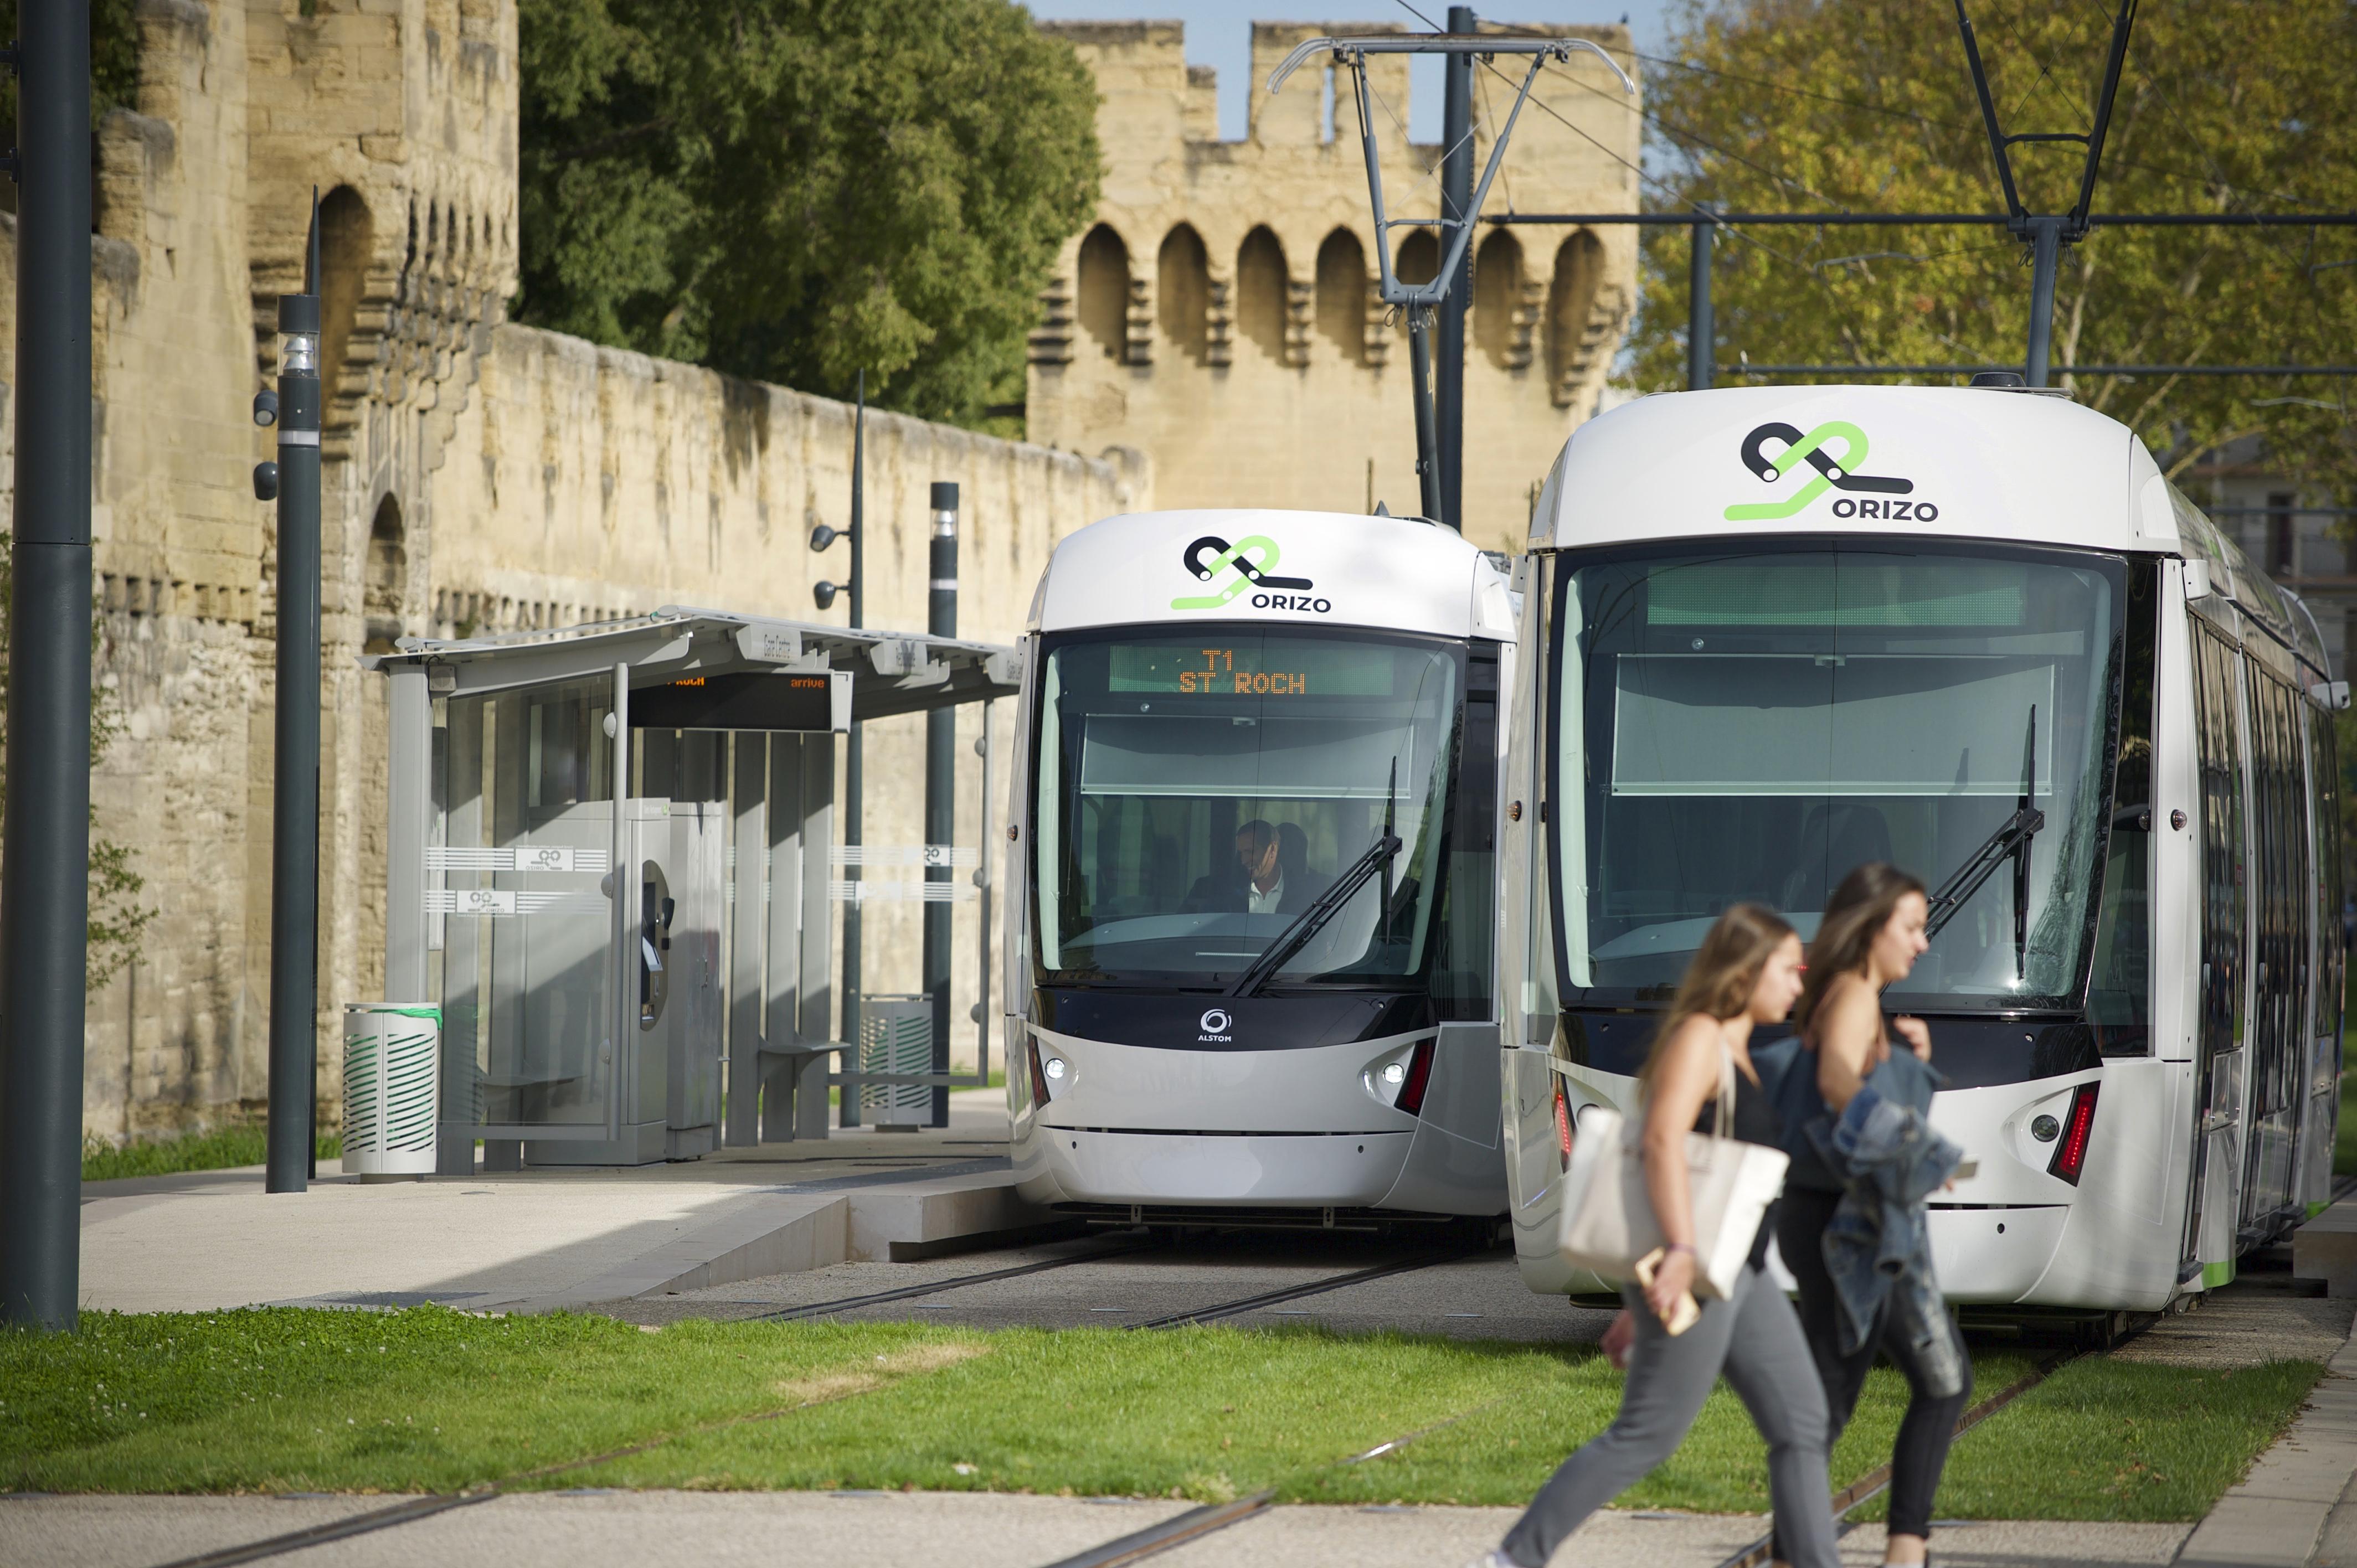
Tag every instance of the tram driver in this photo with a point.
(1273, 875)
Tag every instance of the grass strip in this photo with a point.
(222, 1148)
(431, 1400)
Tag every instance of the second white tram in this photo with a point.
(1770, 633)
(1252, 912)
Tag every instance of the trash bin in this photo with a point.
(392, 1088)
(896, 1035)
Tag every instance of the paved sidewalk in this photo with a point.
(538, 1241)
(926, 1529)
(2297, 1507)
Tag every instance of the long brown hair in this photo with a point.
(1726, 968)
(1853, 916)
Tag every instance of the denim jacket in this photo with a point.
(1875, 1246)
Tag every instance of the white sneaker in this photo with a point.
(1492, 1559)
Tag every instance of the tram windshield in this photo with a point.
(1197, 793)
(1752, 723)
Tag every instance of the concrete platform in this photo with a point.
(541, 1241)
(924, 1530)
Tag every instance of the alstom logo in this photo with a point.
(1863, 494)
(1249, 561)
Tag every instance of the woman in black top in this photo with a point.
(1871, 935)
(1746, 971)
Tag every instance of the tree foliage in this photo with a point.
(796, 191)
(1867, 105)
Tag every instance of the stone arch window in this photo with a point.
(1104, 290)
(385, 581)
(1419, 257)
(1342, 294)
(1571, 309)
(1182, 292)
(347, 234)
(1261, 293)
(1500, 330)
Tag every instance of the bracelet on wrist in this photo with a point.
(1680, 1246)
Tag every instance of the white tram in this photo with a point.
(1249, 939)
(1770, 633)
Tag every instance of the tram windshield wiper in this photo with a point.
(2011, 841)
(1308, 924)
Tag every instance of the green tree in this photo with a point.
(1867, 105)
(795, 189)
(116, 915)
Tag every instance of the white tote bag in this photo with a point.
(1607, 1214)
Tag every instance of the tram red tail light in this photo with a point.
(2071, 1153)
(1419, 1075)
(1562, 1126)
(1039, 1079)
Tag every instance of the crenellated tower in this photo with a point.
(1222, 315)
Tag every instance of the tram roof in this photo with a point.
(1938, 462)
(1312, 568)
(891, 671)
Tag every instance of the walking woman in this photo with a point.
(1864, 1160)
(1746, 973)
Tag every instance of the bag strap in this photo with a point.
(1725, 1088)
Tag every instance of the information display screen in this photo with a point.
(754, 699)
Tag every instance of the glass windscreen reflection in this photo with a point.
(1751, 725)
(1196, 793)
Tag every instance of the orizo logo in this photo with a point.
(1832, 473)
(1216, 1024)
(1250, 560)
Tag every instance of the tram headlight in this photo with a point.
(1056, 1069)
(1395, 1074)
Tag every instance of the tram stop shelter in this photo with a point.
(591, 1018)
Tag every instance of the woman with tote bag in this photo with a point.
(1746, 971)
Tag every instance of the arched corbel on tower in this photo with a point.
(1264, 295)
(1102, 295)
(1583, 316)
(385, 585)
(1342, 294)
(1505, 304)
(1183, 288)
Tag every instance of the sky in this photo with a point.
(1218, 33)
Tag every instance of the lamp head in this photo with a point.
(822, 536)
(823, 594)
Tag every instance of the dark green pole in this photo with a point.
(941, 783)
(1702, 320)
(1455, 200)
(45, 880)
(295, 786)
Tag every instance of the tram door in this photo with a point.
(2220, 1058)
(2322, 1030)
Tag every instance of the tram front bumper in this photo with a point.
(1070, 1165)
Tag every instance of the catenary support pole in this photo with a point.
(851, 748)
(295, 786)
(1702, 319)
(2046, 244)
(45, 879)
(940, 786)
(1456, 201)
(1419, 371)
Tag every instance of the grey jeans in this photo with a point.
(1754, 1338)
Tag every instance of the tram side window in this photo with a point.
(2119, 993)
(2324, 803)
(2214, 663)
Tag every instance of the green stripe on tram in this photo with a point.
(2216, 1275)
